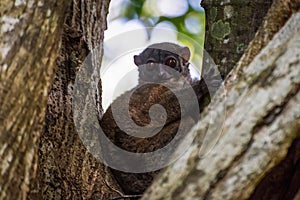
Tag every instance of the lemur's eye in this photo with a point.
(171, 62)
(150, 64)
(150, 61)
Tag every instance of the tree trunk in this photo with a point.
(29, 43)
(258, 138)
(66, 170)
(230, 27)
(31, 34)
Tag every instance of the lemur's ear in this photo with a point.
(137, 60)
(185, 53)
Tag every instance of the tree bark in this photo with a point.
(66, 169)
(278, 14)
(29, 42)
(230, 26)
(262, 124)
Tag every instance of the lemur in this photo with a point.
(163, 62)
(158, 64)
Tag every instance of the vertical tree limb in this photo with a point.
(29, 43)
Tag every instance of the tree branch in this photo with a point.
(262, 120)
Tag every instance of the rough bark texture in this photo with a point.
(276, 17)
(230, 26)
(262, 123)
(29, 41)
(66, 170)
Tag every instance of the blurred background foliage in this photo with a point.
(184, 16)
(135, 24)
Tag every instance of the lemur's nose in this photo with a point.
(163, 73)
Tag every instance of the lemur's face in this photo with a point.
(160, 65)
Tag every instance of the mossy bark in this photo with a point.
(230, 26)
